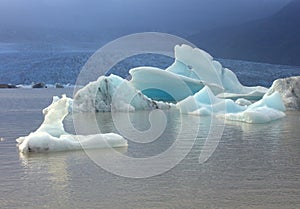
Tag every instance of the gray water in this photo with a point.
(253, 166)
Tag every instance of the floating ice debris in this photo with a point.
(257, 115)
(204, 102)
(269, 108)
(51, 136)
(243, 102)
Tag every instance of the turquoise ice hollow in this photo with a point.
(192, 69)
(164, 85)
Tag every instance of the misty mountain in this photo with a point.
(104, 20)
(275, 39)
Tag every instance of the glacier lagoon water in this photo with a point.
(254, 165)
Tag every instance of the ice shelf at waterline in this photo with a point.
(112, 93)
(51, 135)
(204, 102)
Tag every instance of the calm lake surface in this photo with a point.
(253, 166)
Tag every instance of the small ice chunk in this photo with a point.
(243, 102)
(257, 115)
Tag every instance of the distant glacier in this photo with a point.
(24, 64)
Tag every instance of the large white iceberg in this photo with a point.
(192, 70)
(51, 135)
(198, 84)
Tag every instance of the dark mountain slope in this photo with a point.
(275, 39)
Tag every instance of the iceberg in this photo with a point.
(113, 93)
(257, 115)
(205, 103)
(51, 135)
(243, 102)
(195, 69)
(269, 108)
(273, 101)
(195, 81)
(289, 89)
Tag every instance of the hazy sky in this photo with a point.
(154, 15)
